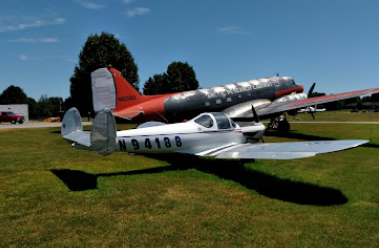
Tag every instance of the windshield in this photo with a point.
(222, 120)
(205, 121)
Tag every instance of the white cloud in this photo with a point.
(23, 57)
(90, 5)
(232, 30)
(32, 24)
(127, 1)
(137, 12)
(32, 40)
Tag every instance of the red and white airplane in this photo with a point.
(208, 134)
(270, 97)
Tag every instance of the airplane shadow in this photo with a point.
(263, 183)
(293, 135)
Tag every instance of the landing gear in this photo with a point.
(279, 123)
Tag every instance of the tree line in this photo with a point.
(101, 51)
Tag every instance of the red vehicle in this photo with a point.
(9, 116)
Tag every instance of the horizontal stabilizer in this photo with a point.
(101, 138)
(72, 128)
(288, 150)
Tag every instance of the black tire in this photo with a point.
(13, 121)
(20, 122)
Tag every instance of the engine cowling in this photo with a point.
(292, 97)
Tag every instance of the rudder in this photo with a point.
(111, 90)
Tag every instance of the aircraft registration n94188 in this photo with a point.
(208, 134)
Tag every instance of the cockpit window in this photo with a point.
(205, 121)
(293, 81)
(222, 120)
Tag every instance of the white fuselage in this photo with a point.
(184, 137)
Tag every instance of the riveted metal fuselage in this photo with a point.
(189, 104)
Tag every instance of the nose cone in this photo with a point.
(299, 88)
(290, 89)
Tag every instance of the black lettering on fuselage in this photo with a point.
(122, 145)
(127, 98)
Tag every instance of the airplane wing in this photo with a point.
(286, 150)
(279, 107)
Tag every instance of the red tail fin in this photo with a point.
(127, 95)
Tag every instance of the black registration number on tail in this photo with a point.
(127, 98)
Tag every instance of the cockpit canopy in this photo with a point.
(215, 121)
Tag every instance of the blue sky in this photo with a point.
(332, 42)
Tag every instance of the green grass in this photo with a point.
(339, 116)
(52, 195)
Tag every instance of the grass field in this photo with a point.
(52, 195)
(339, 116)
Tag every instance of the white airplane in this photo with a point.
(311, 109)
(208, 134)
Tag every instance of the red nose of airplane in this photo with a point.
(297, 88)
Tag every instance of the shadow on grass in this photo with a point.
(370, 145)
(293, 135)
(263, 183)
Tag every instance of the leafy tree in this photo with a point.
(48, 107)
(156, 85)
(179, 77)
(33, 108)
(315, 94)
(372, 98)
(67, 104)
(13, 95)
(97, 52)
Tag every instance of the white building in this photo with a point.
(18, 109)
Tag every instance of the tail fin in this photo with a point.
(111, 90)
(102, 137)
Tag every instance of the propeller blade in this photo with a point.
(256, 117)
(311, 89)
(313, 116)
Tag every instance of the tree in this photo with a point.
(33, 108)
(179, 77)
(13, 95)
(48, 106)
(156, 85)
(97, 52)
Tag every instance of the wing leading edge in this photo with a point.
(286, 150)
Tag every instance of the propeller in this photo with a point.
(309, 94)
(311, 89)
(256, 119)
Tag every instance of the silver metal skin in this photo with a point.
(208, 134)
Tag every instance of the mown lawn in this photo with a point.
(52, 195)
